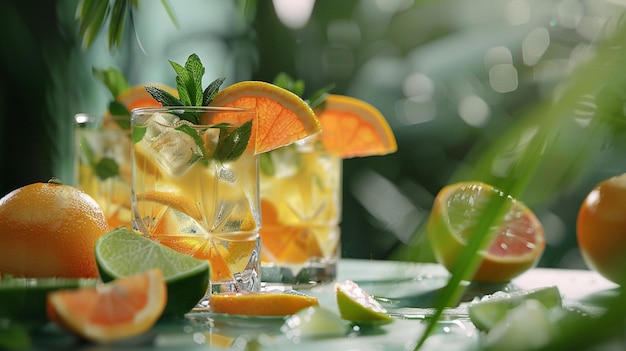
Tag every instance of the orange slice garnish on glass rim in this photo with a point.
(354, 128)
(282, 116)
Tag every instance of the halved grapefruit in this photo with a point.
(517, 239)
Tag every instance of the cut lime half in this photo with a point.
(23, 300)
(358, 306)
(487, 313)
(122, 252)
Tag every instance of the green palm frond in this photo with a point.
(94, 15)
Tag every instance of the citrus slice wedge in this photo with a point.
(282, 116)
(490, 311)
(314, 322)
(353, 128)
(261, 303)
(122, 252)
(118, 310)
(357, 306)
(518, 239)
(174, 201)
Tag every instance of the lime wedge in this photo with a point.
(122, 253)
(23, 300)
(314, 322)
(487, 313)
(358, 306)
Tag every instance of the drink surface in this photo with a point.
(185, 198)
(301, 208)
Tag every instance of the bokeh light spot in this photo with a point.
(294, 13)
(503, 78)
(535, 45)
(474, 111)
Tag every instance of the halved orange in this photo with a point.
(261, 303)
(517, 239)
(282, 116)
(121, 309)
(354, 128)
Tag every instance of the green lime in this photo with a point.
(23, 300)
(314, 322)
(487, 313)
(358, 306)
(122, 253)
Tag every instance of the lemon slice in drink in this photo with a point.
(358, 306)
(122, 253)
(487, 313)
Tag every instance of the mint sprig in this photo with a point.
(190, 93)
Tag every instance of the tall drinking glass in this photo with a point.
(195, 189)
(102, 163)
(301, 209)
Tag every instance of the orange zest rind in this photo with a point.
(261, 303)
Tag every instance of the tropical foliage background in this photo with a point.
(517, 93)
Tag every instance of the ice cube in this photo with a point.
(159, 122)
(175, 151)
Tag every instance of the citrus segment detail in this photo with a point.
(517, 239)
(282, 116)
(174, 201)
(356, 305)
(354, 128)
(54, 226)
(121, 309)
(261, 303)
(122, 252)
(601, 229)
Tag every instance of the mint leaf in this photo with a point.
(234, 144)
(211, 91)
(184, 83)
(113, 79)
(187, 129)
(137, 133)
(318, 99)
(106, 168)
(266, 164)
(196, 70)
(162, 96)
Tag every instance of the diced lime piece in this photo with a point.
(358, 306)
(122, 253)
(527, 326)
(487, 313)
(23, 300)
(314, 322)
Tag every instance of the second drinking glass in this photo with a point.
(195, 188)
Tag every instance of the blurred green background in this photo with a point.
(456, 80)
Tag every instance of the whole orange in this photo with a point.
(601, 228)
(49, 230)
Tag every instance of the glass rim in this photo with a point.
(169, 109)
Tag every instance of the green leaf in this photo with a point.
(87, 151)
(318, 99)
(211, 91)
(196, 71)
(170, 13)
(113, 79)
(137, 133)
(116, 108)
(234, 144)
(187, 129)
(184, 82)
(266, 164)
(91, 15)
(116, 23)
(162, 96)
(106, 168)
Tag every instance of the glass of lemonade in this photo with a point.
(102, 163)
(301, 210)
(195, 189)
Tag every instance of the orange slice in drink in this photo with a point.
(518, 237)
(121, 309)
(282, 116)
(261, 304)
(354, 128)
(179, 203)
